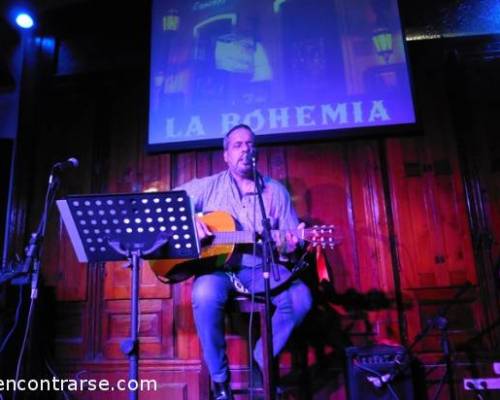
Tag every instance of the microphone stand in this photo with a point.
(32, 262)
(32, 251)
(440, 322)
(269, 389)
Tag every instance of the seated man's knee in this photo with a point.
(208, 290)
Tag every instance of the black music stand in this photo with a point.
(131, 226)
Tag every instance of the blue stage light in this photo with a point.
(24, 20)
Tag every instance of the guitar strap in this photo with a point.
(237, 284)
(300, 265)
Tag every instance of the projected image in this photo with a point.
(282, 67)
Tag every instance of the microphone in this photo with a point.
(251, 156)
(69, 163)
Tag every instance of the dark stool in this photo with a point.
(243, 304)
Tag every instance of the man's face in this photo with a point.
(240, 144)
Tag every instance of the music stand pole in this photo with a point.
(130, 347)
(269, 389)
(134, 321)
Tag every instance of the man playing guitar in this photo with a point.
(233, 191)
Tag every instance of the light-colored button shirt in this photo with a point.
(220, 192)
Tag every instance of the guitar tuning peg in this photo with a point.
(323, 245)
(332, 246)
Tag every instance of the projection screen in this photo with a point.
(291, 69)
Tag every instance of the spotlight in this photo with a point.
(24, 20)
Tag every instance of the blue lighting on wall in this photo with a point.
(474, 17)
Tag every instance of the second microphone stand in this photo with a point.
(267, 246)
(32, 264)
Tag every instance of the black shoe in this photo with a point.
(257, 381)
(222, 391)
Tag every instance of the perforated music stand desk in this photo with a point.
(131, 226)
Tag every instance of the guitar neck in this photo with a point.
(242, 237)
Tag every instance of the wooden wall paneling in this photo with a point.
(319, 184)
(262, 160)
(186, 339)
(405, 169)
(117, 282)
(203, 164)
(276, 164)
(487, 249)
(450, 203)
(370, 219)
(372, 238)
(71, 333)
(473, 92)
(73, 320)
(217, 160)
(446, 184)
(415, 239)
(322, 179)
(428, 200)
(156, 172)
(492, 185)
(440, 155)
(479, 114)
(183, 168)
(155, 328)
(445, 200)
(489, 158)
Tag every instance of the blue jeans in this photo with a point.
(209, 296)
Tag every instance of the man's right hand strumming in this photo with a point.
(201, 229)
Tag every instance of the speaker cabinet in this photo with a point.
(378, 372)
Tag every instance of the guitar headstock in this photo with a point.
(322, 235)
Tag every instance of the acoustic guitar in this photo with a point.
(222, 243)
